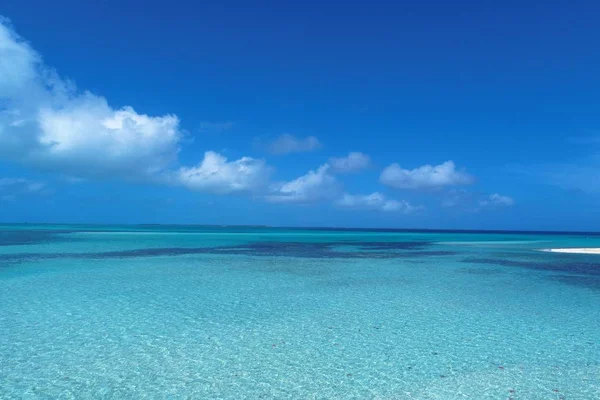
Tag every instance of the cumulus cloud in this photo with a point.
(425, 177)
(11, 188)
(47, 122)
(376, 201)
(89, 137)
(355, 161)
(496, 200)
(287, 143)
(315, 185)
(217, 175)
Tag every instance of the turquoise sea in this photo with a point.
(183, 312)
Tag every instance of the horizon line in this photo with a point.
(319, 228)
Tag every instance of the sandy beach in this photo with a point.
(590, 250)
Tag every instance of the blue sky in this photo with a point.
(476, 115)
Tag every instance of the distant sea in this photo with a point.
(188, 312)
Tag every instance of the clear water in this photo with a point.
(250, 313)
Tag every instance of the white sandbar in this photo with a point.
(587, 250)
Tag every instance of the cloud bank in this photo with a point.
(48, 123)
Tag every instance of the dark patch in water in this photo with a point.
(17, 257)
(289, 249)
(150, 252)
(319, 250)
(436, 253)
(385, 245)
(480, 271)
(583, 271)
(371, 250)
(590, 282)
(571, 266)
(25, 237)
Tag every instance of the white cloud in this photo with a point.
(287, 143)
(424, 177)
(355, 161)
(376, 201)
(313, 186)
(92, 139)
(496, 200)
(46, 122)
(217, 175)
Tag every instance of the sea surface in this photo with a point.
(188, 312)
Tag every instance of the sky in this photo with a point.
(431, 114)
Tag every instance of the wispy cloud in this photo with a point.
(215, 127)
(376, 201)
(497, 200)
(580, 174)
(12, 188)
(353, 162)
(287, 143)
(425, 177)
(474, 201)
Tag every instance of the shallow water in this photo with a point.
(235, 313)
